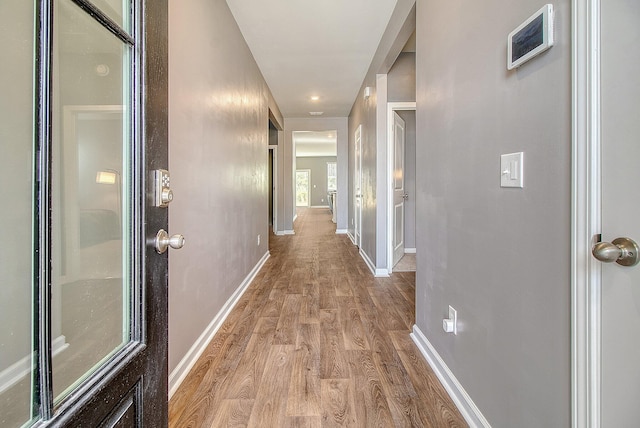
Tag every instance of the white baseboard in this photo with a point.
(285, 232)
(381, 273)
(319, 206)
(462, 400)
(409, 250)
(368, 262)
(342, 232)
(188, 361)
(353, 238)
(378, 273)
(22, 368)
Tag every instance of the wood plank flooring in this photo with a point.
(316, 341)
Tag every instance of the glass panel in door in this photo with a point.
(16, 192)
(90, 193)
(118, 10)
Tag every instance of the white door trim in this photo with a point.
(357, 213)
(274, 183)
(585, 215)
(391, 107)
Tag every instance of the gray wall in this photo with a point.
(409, 177)
(401, 79)
(318, 167)
(16, 138)
(218, 128)
(363, 113)
(273, 134)
(501, 257)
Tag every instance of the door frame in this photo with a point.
(391, 108)
(585, 215)
(357, 213)
(274, 184)
(70, 117)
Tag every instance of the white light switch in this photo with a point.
(512, 170)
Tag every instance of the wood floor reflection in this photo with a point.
(316, 341)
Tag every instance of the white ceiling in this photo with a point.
(314, 144)
(306, 48)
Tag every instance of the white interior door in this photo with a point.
(620, 152)
(357, 185)
(399, 194)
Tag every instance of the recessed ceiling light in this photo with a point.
(315, 98)
(316, 113)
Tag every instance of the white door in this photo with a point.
(620, 204)
(357, 185)
(399, 194)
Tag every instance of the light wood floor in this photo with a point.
(316, 341)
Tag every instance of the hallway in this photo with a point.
(315, 341)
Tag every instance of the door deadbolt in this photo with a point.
(162, 193)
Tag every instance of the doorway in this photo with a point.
(273, 188)
(275, 135)
(316, 151)
(401, 168)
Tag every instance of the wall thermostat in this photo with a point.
(531, 38)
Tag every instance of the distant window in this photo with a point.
(302, 187)
(332, 176)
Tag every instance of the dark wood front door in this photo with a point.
(94, 353)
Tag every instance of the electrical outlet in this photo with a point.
(258, 240)
(450, 325)
(321, 200)
(453, 315)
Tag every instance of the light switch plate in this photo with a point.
(512, 170)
